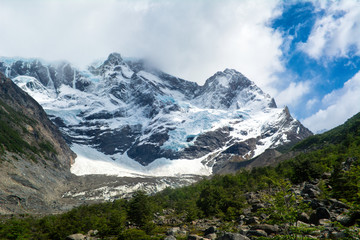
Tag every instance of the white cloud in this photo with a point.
(311, 103)
(334, 35)
(293, 93)
(339, 105)
(190, 39)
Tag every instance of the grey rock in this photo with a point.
(345, 220)
(303, 217)
(210, 230)
(326, 175)
(325, 223)
(170, 238)
(92, 232)
(252, 220)
(243, 229)
(173, 231)
(232, 236)
(315, 233)
(193, 237)
(77, 236)
(302, 224)
(257, 233)
(311, 190)
(211, 236)
(267, 228)
(315, 203)
(335, 204)
(322, 213)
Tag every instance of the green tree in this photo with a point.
(141, 208)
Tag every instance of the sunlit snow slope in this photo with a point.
(126, 118)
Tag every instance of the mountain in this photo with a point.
(127, 118)
(34, 158)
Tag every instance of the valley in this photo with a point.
(152, 156)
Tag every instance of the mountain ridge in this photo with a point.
(132, 113)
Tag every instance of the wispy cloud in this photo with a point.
(293, 93)
(338, 106)
(336, 33)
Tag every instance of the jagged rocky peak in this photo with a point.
(114, 59)
(228, 78)
(111, 68)
(230, 89)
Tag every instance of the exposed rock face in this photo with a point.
(132, 113)
(34, 158)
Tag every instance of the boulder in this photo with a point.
(315, 203)
(210, 230)
(232, 236)
(173, 231)
(77, 236)
(310, 190)
(251, 220)
(336, 204)
(326, 175)
(303, 217)
(267, 228)
(211, 236)
(346, 220)
(170, 238)
(193, 237)
(92, 232)
(302, 224)
(321, 213)
(325, 223)
(256, 233)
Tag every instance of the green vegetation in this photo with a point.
(47, 147)
(11, 139)
(284, 206)
(336, 152)
(13, 132)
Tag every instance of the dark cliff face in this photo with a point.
(34, 158)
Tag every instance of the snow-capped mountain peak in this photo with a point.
(127, 118)
(232, 90)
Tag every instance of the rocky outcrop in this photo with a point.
(35, 159)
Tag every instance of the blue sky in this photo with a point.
(319, 51)
(306, 54)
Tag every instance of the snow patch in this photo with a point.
(91, 161)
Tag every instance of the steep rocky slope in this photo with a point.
(34, 158)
